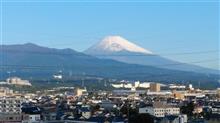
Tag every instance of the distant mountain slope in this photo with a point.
(120, 49)
(30, 60)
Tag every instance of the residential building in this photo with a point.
(4, 91)
(10, 105)
(10, 110)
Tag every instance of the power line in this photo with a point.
(107, 1)
(54, 67)
(74, 53)
(175, 54)
(202, 61)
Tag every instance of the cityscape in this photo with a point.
(126, 101)
(109, 61)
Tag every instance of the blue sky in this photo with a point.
(164, 27)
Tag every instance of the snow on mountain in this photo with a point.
(112, 44)
(120, 49)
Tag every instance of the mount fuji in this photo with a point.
(120, 49)
(39, 62)
(114, 44)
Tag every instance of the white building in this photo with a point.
(32, 118)
(57, 76)
(191, 87)
(198, 95)
(144, 85)
(18, 81)
(129, 85)
(136, 84)
(172, 86)
(159, 109)
(161, 93)
(122, 85)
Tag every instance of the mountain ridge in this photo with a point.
(140, 57)
(37, 64)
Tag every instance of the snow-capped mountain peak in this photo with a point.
(113, 44)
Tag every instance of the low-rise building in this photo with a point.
(4, 91)
(12, 118)
(32, 118)
(80, 92)
(159, 109)
(174, 119)
(18, 81)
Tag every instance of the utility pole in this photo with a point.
(83, 79)
(82, 82)
(105, 84)
(128, 111)
(9, 74)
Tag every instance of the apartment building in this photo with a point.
(10, 105)
(10, 109)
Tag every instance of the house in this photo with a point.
(216, 109)
(85, 112)
(198, 109)
(106, 104)
(33, 113)
(174, 119)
